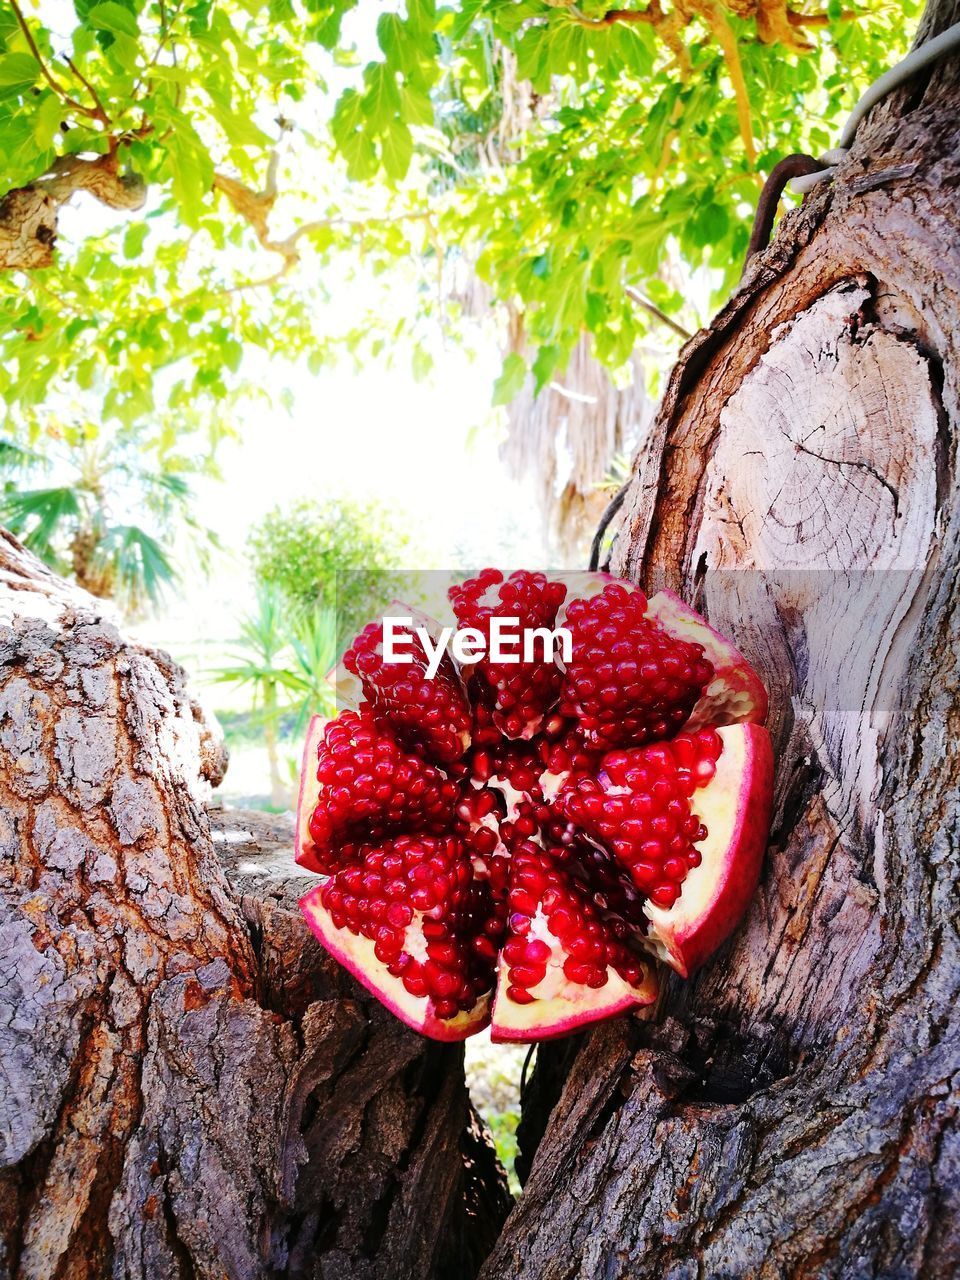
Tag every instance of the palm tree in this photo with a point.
(283, 651)
(72, 526)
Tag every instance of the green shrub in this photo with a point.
(329, 554)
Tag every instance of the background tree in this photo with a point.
(282, 655)
(333, 554)
(576, 158)
(118, 510)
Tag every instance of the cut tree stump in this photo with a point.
(189, 1087)
(792, 1110)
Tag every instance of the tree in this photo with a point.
(285, 654)
(78, 527)
(333, 554)
(792, 1111)
(173, 1058)
(246, 197)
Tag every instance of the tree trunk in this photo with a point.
(792, 1110)
(190, 1088)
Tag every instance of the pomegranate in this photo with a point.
(520, 693)
(429, 714)
(518, 844)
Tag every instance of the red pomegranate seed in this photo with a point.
(628, 680)
(437, 877)
(518, 694)
(639, 807)
(430, 715)
(370, 787)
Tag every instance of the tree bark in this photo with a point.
(190, 1088)
(792, 1110)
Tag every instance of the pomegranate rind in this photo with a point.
(356, 954)
(735, 807)
(304, 849)
(736, 693)
(547, 1019)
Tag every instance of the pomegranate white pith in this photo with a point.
(509, 845)
(558, 1005)
(735, 809)
(356, 954)
(303, 849)
(735, 693)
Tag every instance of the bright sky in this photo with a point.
(428, 450)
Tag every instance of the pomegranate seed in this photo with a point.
(518, 693)
(628, 681)
(413, 794)
(432, 715)
(636, 807)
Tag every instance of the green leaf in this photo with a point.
(422, 17)
(390, 37)
(548, 357)
(113, 17)
(415, 105)
(46, 121)
(511, 379)
(133, 239)
(396, 147)
(18, 70)
(38, 514)
(382, 99)
(141, 564)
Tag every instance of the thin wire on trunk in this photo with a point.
(613, 506)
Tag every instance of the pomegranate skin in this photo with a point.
(719, 890)
(356, 956)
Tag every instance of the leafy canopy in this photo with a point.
(560, 152)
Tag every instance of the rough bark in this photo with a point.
(792, 1111)
(189, 1088)
(28, 215)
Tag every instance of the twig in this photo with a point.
(652, 15)
(523, 1074)
(797, 19)
(90, 89)
(256, 206)
(52, 81)
(636, 296)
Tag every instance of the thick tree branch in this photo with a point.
(28, 215)
(255, 207)
(718, 22)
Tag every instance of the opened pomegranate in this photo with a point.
(519, 843)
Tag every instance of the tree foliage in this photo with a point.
(333, 554)
(108, 507)
(562, 151)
